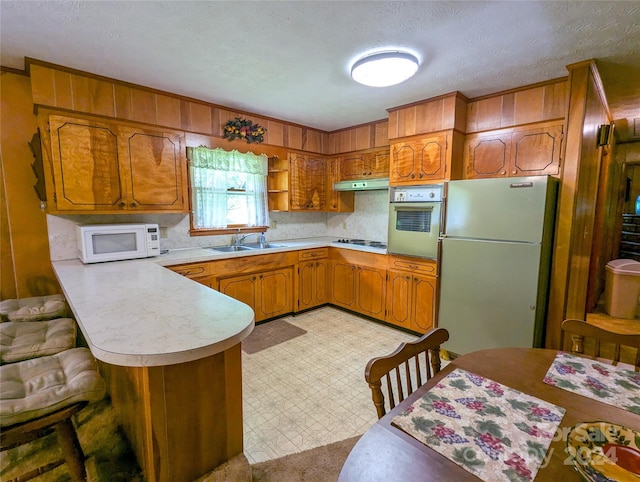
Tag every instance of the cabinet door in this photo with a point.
(378, 163)
(487, 156)
(308, 188)
(399, 298)
(86, 165)
(424, 293)
(536, 152)
(423, 159)
(371, 289)
(241, 288)
(306, 278)
(155, 167)
(343, 284)
(275, 290)
(313, 283)
(353, 166)
(337, 201)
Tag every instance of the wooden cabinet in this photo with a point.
(358, 282)
(364, 164)
(308, 182)
(411, 294)
(313, 278)
(106, 167)
(278, 184)
(198, 272)
(269, 293)
(425, 158)
(519, 151)
(311, 181)
(338, 201)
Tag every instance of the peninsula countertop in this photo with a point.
(138, 313)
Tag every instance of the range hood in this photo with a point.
(363, 185)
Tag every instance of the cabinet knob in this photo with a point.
(413, 176)
(370, 173)
(420, 175)
(407, 278)
(121, 205)
(503, 172)
(132, 205)
(254, 278)
(514, 172)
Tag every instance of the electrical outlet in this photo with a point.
(163, 232)
(344, 225)
(274, 224)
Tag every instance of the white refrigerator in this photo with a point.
(495, 261)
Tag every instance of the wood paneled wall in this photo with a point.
(26, 269)
(432, 115)
(365, 136)
(535, 103)
(63, 88)
(577, 201)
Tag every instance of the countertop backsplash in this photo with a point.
(368, 221)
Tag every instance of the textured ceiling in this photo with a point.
(291, 59)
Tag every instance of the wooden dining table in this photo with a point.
(386, 453)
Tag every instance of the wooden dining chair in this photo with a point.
(583, 333)
(404, 370)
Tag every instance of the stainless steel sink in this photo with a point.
(261, 246)
(230, 249)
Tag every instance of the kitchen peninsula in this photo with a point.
(169, 350)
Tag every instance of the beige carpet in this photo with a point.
(110, 459)
(322, 464)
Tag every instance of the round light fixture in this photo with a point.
(384, 68)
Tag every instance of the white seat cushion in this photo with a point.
(37, 387)
(20, 340)
(33, 309)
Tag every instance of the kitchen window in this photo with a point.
(228, 190)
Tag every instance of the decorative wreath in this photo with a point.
(244, 129)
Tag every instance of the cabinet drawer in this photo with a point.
(192, 270)
(308, 254)
(424, 267)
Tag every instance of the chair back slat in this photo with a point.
(583, 333)
(408, 375)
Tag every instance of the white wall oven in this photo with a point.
(415, 214)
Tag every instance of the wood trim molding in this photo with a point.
(519, 89)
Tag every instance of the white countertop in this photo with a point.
(137, 313)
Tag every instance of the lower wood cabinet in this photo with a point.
(269, 293)
(313, 278)
(399, 290)
(358, 286)
(411, 294)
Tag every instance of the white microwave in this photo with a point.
(114, 242)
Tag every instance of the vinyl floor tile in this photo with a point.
(310, 391)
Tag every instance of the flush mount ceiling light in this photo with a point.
(386, 68)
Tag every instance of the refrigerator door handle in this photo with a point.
(439, 256)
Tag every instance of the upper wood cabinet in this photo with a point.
(308, 179)
(311, 181)
(106, 167)
(364, 164)
(338, 201)
(426, 158)
(518, 151)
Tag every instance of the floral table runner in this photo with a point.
(606, 383)
(490, 430)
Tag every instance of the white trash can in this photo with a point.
(622, 288)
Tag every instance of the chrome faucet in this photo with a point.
(238, 238)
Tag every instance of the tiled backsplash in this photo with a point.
(368, 221)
